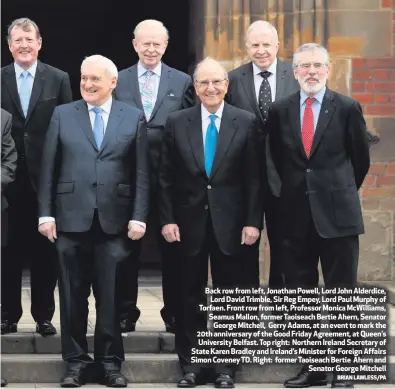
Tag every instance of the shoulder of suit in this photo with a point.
(175, 71)
(183, 113)
(342, 99)
(5, 115)
(53, 70)
(241, 69)
(240, 113)
(126, 107)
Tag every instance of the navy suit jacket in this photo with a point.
(76, 177)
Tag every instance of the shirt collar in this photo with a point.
(19, 70)
(156, 70)
(106, 107)
(319, 96)
(272, 68)
(206, 114)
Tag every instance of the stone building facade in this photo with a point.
(360, 36)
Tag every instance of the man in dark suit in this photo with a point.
(320, 149)
(246, 86)
(157, 90)
(8, 168)
(210, 203)
(30, 90)
(94, 185)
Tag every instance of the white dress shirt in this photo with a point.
(206, 120)
(155, 78)
(106, 109)
(258, 79)
(30, 79)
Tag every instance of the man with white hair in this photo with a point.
(93, 201)
(157, 90)
(320, 149)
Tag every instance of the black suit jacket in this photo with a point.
(76, 177)
(51, 87)
(232, 193)
(175, 92)
(327, 183)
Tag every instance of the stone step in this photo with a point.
(143, 368)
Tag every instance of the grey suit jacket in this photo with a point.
(76, 177)
(175, 93)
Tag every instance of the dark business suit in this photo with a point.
(51, 87)
(93, 194)
(319, 209)
(241, 93)
(8, 168)
(175, 92)
(209, 211)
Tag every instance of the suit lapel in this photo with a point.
(226, 133)
(194, 129)
(294, 120)
(82, 117)
(38, 85)
(114, 120)
(280, 79)
(327, 109)
(10, 81)
(163, 85)
(134, 86)
(247, 79)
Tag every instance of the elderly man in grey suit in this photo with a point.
(158, 90)
(253, 87)
(93, 201)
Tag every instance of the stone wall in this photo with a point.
(360, 35)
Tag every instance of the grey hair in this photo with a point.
(264, 25)
(209, 59)
(109, 66)
(151, 22)
(26, 24)
(309, 47)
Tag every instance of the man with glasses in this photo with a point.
(210, 204)
(320, 149)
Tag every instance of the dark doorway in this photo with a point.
(74, 29)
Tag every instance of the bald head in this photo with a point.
(150, 42)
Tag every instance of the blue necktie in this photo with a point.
(98, 126)
(24, 92)
(210, 144)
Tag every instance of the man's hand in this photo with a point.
(48, 229)
(171, 233)
(135, 231)
(249, 235)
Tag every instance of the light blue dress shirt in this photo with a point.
(32, 73)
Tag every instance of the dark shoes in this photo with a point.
(3, 382)
(74, 376)
(224, 381)
(171, 326)
(8, 327)
(340, 383)
(114, 379)
(127, 326)
(45, 328)
(305, 379)
(188, 381)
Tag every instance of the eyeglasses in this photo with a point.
(316, 65)
(205, 83)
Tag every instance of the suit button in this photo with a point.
(206, 206)
(98, 160)
(94, 185)
(308, 170)
(208, 186)
(25, 134)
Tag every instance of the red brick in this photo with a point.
(380, 63)
(380, 192)
(358, 86)
(380, 110)
(381, 99)
(381, 75)
(385, 180)
(386, 3)
(363, 98)
(392, 73)
(380, 87)
(358, 63)
(370, 180)
(377, 168)
(362, 74)
(392, 98)
(390, 171)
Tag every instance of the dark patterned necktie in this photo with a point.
(265, 95)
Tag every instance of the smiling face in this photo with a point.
(211, 85)
(24, 46)
(312, 71)
(262, 47)
(150, 45)
(96, 84)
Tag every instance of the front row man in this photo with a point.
(320, 149)
(93, 201)
(210, 204)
